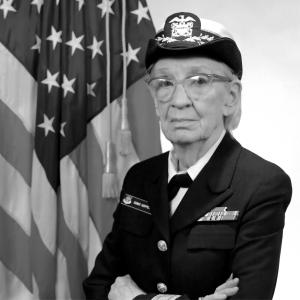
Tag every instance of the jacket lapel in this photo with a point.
(156, 192)
(211, 187)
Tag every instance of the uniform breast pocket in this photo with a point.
(133, 221)
(212, 236)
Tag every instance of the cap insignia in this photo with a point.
(182, 26)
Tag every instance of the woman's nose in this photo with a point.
(180, 98)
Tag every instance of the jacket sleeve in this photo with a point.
(255, 260)
(108, 266)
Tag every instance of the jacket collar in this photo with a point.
(210, 188)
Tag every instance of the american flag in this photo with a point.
(53, 129)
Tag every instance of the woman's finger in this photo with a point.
(215, 297)
(228, 284)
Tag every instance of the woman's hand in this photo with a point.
(124, 288)
(227, 289)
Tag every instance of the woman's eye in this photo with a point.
(164, 83)
(199, 80)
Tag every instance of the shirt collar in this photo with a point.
(196, 168)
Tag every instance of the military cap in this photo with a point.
(185, 35)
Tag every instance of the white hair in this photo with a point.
(232, 121)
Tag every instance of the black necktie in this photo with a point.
(178, 181)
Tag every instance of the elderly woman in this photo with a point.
(191, 217)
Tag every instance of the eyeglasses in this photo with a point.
(194, 86)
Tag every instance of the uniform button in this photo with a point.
(162, 246)
(162, 288)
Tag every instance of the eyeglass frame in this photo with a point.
(211, 76)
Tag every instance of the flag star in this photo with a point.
(75, 42)
(55, 37)
(47, 125)
(141, 12)
(105, 7)
(80, 4)
(62, 126)
(95, 47)
(50, 80)
(38, 4)
(6, 6)
(90, 89)
(131, 54)
(37, 45)
(67, 85)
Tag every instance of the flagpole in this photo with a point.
(125, 134)
(110, 187)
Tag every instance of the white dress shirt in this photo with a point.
(193, 171)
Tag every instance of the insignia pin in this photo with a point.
(127, 200)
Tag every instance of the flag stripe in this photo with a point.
(75, 257)
(62, 288)
(15, 249)
(74, 202)
(18, 89)
(43, 264)
(15, 136)
(15, 201)
(95, 245)
(43, 205)
(11, 287)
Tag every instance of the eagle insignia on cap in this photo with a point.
(182, 27)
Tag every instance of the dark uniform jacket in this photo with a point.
(188, 255)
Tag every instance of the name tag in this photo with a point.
(136, 203)
(220, 214)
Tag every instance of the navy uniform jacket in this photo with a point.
(197, 255)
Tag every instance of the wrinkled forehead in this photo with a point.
(189, 65)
